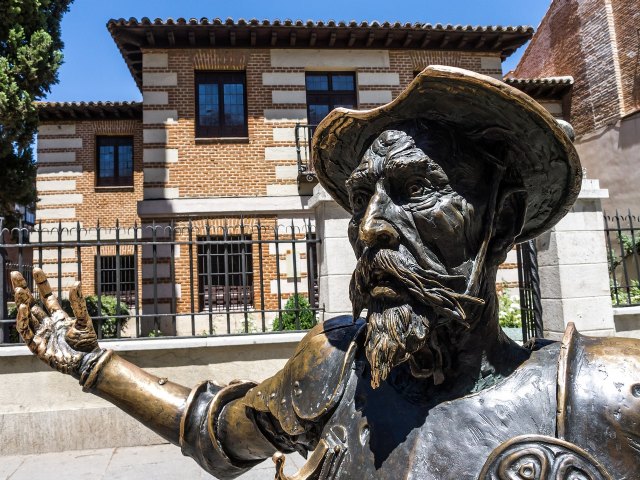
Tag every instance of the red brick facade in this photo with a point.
(175, 171)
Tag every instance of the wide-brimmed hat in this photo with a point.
(534, 149)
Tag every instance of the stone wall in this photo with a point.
(44, 411)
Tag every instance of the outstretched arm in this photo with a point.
(210, 422)
(71, 347)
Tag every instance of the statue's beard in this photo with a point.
(410, 320)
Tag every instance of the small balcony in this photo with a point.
(303, 134)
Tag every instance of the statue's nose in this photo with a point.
(376, 231)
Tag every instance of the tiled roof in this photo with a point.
(132, 35)
(544, 87)
(88, 110)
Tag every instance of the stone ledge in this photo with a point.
(175, 343)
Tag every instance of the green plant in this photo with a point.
(287, 319)
(631, 298)
(509, 314)
(155, 333)
(109, 310)
(112, 315)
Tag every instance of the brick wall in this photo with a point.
(170, 163)
(596, 42)
(626, 20)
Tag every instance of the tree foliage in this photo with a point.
(30, 55)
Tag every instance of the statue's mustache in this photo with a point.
(433, 289)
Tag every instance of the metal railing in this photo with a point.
(179, 279)
(303, 135)
(622, 238)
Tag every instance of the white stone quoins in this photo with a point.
(281, 153)
(160, 79)
(60, 171)
(62, 199)
(379, 97)
(289, 96)
(154, 135)
(159, 116)
(289, 79)
(56, 185)
(155, 98)
(156, 175)
(160, 155)
(369, 78)
(57, 157)
(155, 60)
(63, 129)
(59, 143)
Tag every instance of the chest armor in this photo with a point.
(571, 411)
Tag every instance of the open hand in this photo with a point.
(56, 339)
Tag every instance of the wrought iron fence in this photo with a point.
(529, 287)
(623, 245)
(303, 136)
(185, 278)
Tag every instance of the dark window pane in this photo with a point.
(234, 104)
(343, 82)
(317, 113)
(317, 82)
(222, 283)
(106, 161)
(114, 161)
(125, 160)
(221, 104)
(327, 91)
(209, 112)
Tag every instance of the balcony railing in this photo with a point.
(304, 134)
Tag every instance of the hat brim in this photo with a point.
(535, 149)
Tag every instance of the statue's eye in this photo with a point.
(417, 188)
(359, 201)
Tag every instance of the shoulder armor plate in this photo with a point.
(599, 399)
(313, 380)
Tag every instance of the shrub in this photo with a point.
(509, 314)
(287, 319)
(109, 309)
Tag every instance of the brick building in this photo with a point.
(597, 43)
(222, 135)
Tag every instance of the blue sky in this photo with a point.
(94, 69)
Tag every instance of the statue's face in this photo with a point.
(415, 237)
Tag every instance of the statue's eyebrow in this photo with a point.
(361, 177)
(400, 164)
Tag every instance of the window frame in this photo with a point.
(107, 278)
(332, 94)
(114, 141)
(218, 77)
(210, 251)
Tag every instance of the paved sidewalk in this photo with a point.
(157, 462)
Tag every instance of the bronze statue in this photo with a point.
(441, 183)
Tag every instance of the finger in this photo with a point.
(79, 306)
(37, 317)
(22, 325)
(49, 299)
(17, 280)
(23, 297)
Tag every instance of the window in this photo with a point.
(109, 277)
(225, 272)
(326, 91)
(114, 162)
(221, 107)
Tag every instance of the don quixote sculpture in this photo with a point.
(440, 183)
